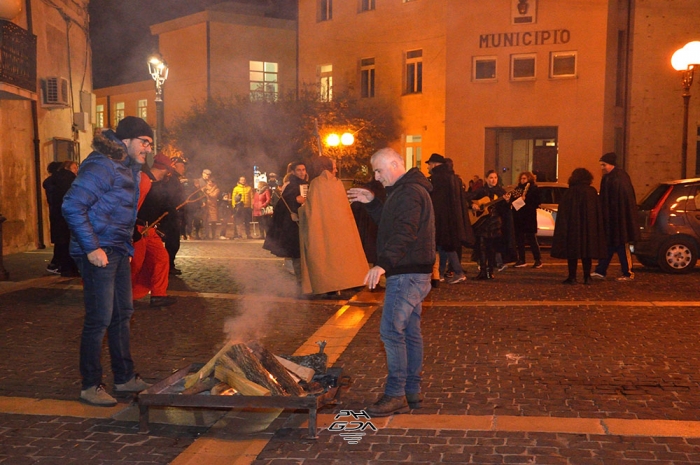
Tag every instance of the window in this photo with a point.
(367, 77)
(484, 69)
(414, 72)
(522, 67)
(118, 113)
(562, 64)
(413, 151)
(325, 10)
(264, 84)
(142, 108)
(100, 116)
(366, 5)
(325, 74)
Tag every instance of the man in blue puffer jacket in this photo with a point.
(100, 209)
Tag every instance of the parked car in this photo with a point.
(669, 220)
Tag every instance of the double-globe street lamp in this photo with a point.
(335, 140)
(685, 60)
(158, 69)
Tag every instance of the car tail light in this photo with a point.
(657, 208)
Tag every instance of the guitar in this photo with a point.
(476, 218)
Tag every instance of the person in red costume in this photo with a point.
(151, 264)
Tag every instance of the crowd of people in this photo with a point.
(117, 222)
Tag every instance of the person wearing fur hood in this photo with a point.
(100, 209)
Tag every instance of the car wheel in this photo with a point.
(678, 255)
(647, 261)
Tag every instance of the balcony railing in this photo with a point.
(17, 56)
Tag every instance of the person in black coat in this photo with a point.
(578, 231)
(494, 228)
(282, 239)
(619, 204)
(56, 187)
(450, 227)
(525, 219)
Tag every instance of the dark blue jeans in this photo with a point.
(400, 332)
(623, 254)
(108, 308)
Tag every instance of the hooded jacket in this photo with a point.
(406, 234)
(100, 207)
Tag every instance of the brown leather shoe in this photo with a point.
(388, 405)
(414, 399)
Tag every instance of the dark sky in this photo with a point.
(121, 37)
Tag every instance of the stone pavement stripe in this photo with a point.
(44, 281)
(685, 429)
(66, 408)
(338, 331)
(214, 451)
(562, 425)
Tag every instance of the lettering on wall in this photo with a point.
(527, 38)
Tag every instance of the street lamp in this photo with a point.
(334, 140)
(158, 69)
(686, 59)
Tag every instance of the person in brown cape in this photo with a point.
(332, 257)
(578, 231)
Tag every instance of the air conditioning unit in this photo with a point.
(54, 92)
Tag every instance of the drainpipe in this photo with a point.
(37, 152)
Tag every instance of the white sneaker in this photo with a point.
(96, 395)
(597, 276)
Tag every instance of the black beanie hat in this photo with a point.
(610, 158)
(132, 127)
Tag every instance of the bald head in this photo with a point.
(388, 166)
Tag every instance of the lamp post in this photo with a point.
(158, 69)
(685, 60)
(334, 140)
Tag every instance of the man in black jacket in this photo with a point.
(405, 255)
(619, 204)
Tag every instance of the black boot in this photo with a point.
(482, 274)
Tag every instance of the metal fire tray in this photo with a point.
(161, 394)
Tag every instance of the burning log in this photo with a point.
(303, 373)
(276, 369)
(231, 374)
(206, 370)
(239, 355)
(201, 385)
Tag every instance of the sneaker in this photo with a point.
(414, 399)
(538, 264)
(388, 405)
(51, 268)
(501, 267)
(96, 395)
(162, 301)
(624, 278)
(457, 279)
(597, 276)
(520, 264)
(135, 384)
(223, 238)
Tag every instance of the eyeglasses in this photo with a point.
(144, 142)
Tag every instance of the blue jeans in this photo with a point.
(108, 308)
(623, 254)
(400, 332)
(453, 259)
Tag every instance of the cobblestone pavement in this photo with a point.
(523, 345)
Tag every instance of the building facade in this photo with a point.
(46, 108)
(226, 51)
(515, 85)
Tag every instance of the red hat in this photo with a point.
(162, 161)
